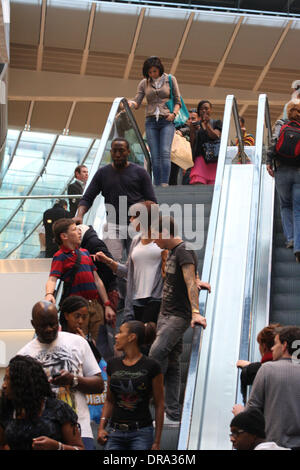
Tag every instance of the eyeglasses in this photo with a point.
(236, 433)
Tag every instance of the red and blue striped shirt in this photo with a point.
(84, 282)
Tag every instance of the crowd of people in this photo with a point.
(127, 300)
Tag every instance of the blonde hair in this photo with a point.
(291, 106)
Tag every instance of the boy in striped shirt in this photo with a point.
(86, 281)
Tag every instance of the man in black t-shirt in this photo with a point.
(179, 310)
(122, 184)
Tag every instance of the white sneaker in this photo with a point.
(170, 422)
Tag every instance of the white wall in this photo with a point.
(22, 284)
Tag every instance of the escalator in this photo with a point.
(230, 226)
(237, 264)
(181, 197)
(285, 293)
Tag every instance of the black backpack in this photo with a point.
(288, 144)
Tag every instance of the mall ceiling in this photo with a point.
(70, 59)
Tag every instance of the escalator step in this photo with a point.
(286, 285)
(282, 254)
(282, 269)
(285, 301)
(285, 317)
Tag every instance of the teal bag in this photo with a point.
(183, 114)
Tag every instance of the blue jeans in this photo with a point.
(287, 182)
(141, 439)
(167, 349)
(88, 443)
(160, 137)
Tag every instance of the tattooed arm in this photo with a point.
(188, 271)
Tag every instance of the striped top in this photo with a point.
(84, 282)
(276, 392)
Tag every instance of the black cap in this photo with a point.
(251, 421)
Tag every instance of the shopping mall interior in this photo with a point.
(65, 68)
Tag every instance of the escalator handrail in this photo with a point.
(252, 245)
(249, 332)
(185, 434)
(107, 132)
(138, 133)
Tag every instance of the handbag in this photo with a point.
(181, 152)
(211, 151)
(183, 114)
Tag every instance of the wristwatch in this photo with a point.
(75, 382)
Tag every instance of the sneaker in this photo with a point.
(290, 244)
(170, 422)
(297, 255)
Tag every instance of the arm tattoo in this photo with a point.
(188, 271)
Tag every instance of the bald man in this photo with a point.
(68, 362)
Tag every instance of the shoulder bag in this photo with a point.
(183, 114)
(181, 152)
(211, 150)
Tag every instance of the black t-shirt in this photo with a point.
(20, 432)
(131, 388)
(175, 299)
(132, 182)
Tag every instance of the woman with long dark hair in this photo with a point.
(160, 126)
(31, 418)
(75, 312)
(143, 270)
(132, 381)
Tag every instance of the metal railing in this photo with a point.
(229, 6)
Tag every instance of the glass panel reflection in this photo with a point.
(31, 173)
(44, 164)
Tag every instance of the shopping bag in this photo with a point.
(181, 152)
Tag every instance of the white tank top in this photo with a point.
(146, 260)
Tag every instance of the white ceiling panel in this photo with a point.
(161, 35)
(66, 27)
(25, 22)
(254, 44)
(114, 32)
(207, 40)
(288, 55)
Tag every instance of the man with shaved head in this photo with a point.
(68, 362)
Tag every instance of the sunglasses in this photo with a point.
(236, 433)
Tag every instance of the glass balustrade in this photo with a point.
(42, 164)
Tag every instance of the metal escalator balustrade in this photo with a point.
(229, 266)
